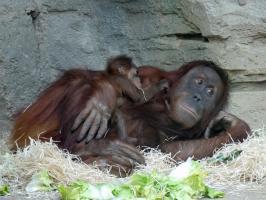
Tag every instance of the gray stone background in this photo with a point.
(39, 38)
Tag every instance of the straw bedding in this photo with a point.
(242, 165)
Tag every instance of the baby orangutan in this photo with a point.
(121, 75)
(124, 73)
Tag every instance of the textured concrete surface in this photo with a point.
(250, 106)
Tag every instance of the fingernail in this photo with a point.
(87, 141)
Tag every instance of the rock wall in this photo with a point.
(40, 38)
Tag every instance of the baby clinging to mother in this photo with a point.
(184, 117)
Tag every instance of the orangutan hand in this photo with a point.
(222, 122)
(94, 119)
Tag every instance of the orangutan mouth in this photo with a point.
(190, 111)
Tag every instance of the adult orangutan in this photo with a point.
(176, 120)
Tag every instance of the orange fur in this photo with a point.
(53, 113)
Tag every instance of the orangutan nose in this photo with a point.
(197, 98)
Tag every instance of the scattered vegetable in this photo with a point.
(40, 181)
(4, 190)
(225, 158)
(81, 190)
(185, 182)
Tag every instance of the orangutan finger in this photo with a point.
(131, 140)
(134, 155)
(207, 132)
(123, 161)
(227, 122)
(86, 125)
(130, 152)
(94, 127)
(82, 116)
(103, 128)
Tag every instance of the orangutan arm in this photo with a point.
(200, 148)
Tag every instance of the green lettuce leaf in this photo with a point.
(212, 193)
(191, 174)
(40, 181)
(4, 190)
(185, 182)
(81, 190)
(225, 158)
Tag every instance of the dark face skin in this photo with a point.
(197, 93)
(133, 76)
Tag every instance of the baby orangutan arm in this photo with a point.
(125, 87)
(149, 92)
(121, 128)
(138, 95)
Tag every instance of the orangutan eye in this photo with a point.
(199, 81)
(210, 91)
(135, 72)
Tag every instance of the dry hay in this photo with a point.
(246, 170)
(17, 169)
(61, 165)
